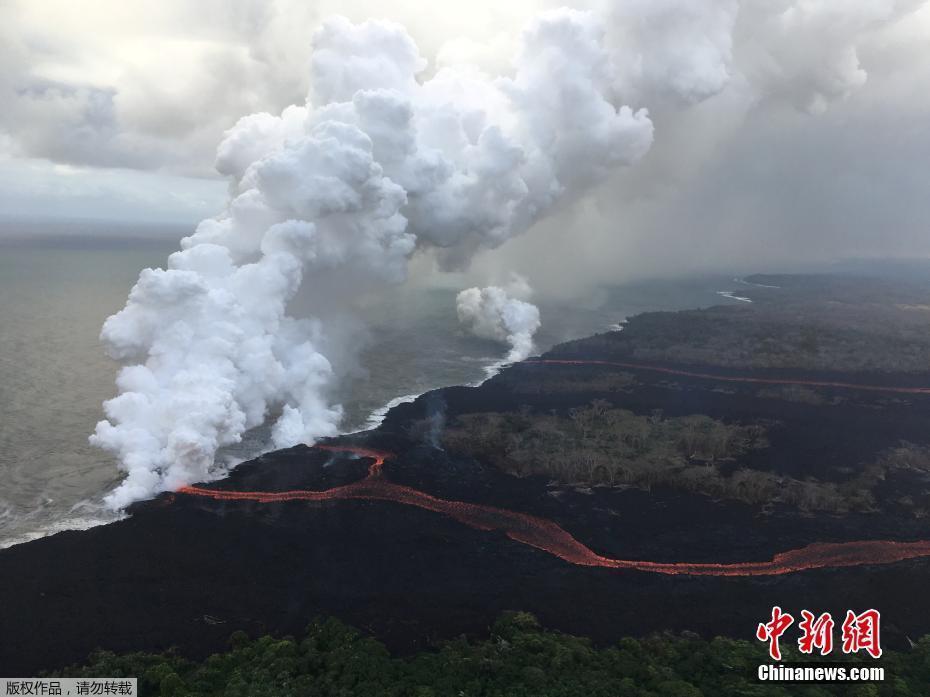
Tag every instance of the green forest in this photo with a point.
(600, 446)
(518, 659)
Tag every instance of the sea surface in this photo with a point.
(58, 283)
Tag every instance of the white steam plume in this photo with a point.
(806, 51)
(501, 314)
(677, 48)
(376, 165)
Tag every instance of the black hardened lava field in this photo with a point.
(656, 478)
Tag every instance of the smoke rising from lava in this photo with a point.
(389, 157)
(376, 165)
(501, 314)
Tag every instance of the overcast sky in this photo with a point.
(114, 108)
(784, 129)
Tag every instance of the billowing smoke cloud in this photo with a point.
(501, 314)
(807, 52)
(730, 84)
(802, 155)
(677, 48)
(337, 195)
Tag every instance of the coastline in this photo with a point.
(438, 539)
(413, 576)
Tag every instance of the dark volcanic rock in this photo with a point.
(187, 571)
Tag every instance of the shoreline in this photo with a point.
(413, 576)
(80, 523)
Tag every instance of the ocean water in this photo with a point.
(57, 289)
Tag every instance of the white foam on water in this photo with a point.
(491, 370)
(90, 516)
(730, 295)
(376, 418)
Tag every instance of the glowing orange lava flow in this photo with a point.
(547, 536)
(732, 378)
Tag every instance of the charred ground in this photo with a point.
(187, 571)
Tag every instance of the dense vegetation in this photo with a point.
(601, 446)
(597, 444)
(518, 660)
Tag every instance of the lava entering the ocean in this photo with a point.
(549, 537)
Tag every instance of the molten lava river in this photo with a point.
(549, 537)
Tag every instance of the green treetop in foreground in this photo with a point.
(518, 660)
